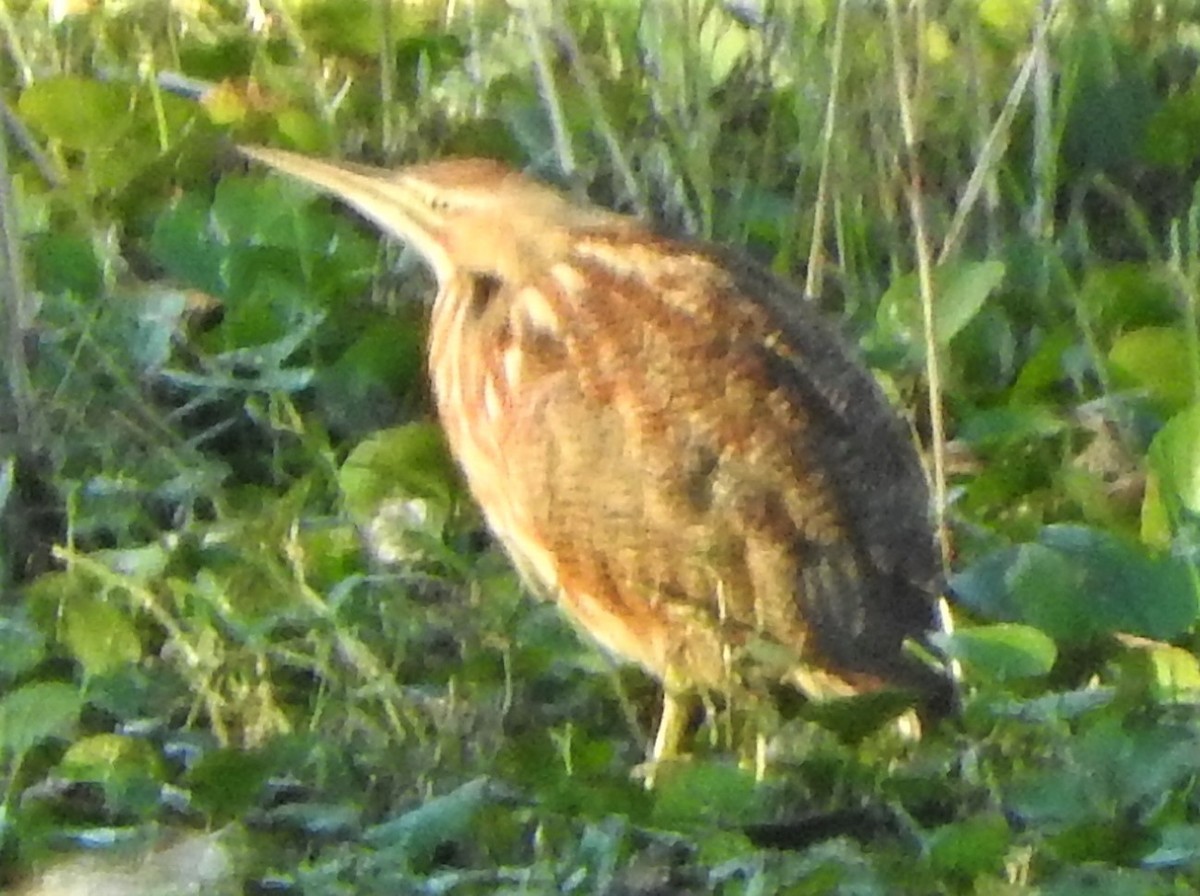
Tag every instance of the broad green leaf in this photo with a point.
(1044, 370)
(66, 263)
(1002, 652)
(723, 42)
(982, 587)
(972, 847)
(300, 128)
(1159, 361)
(1124, 587)
(698, 794)
(100, 635)
(1049, 799)
(228, 782)
(1127, 762)
(1175, 674)
(1011, 424)
(960, 291)
(1096, 840)
(243, 207)
(36, 712)
(104, 757)
(1171, 134)
(409, 461)
(265, 307)
(1173, 494)
(342, 27)
(854, 718)
(332, 554)
(183, 245)
(1126, 296)
(1048, 589)
(80, 113)
(140, 564)
(1009, 18)
(1077, 583)
(414, 837)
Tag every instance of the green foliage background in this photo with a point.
(244, 591)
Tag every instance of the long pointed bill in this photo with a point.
(391, 199)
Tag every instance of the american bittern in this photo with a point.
(664, 436)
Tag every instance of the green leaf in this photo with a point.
(972, 847)
(983, 587)
(960, 291)
(80, 113)
(1126, 296)
(1010, 425)
(722, 42)
(1173, 497)
(65, 263)
(1078, 583)
(128, 768)
(342, 27)
(692, 795)
(854, 718)
(409, 461)
(1171, 134)
(1049, 592)
(182, 244)
(414, 837)
(1157, 360)
(1009, 18)
(1045, 368)
(1175, 674)
(141, 564)
(100, 635)
(1124, 587)
(1002, 652)
(229, 782)
(36, 712)
(21, 647)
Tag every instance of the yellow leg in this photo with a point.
(671, 725)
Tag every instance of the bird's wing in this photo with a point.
(689, 452)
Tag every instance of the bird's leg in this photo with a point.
(761, 718)
(671, 725)
(676, 709)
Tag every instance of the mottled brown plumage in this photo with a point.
(666, 438)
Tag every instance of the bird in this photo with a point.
(667, 439)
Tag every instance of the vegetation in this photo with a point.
(243, 591)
